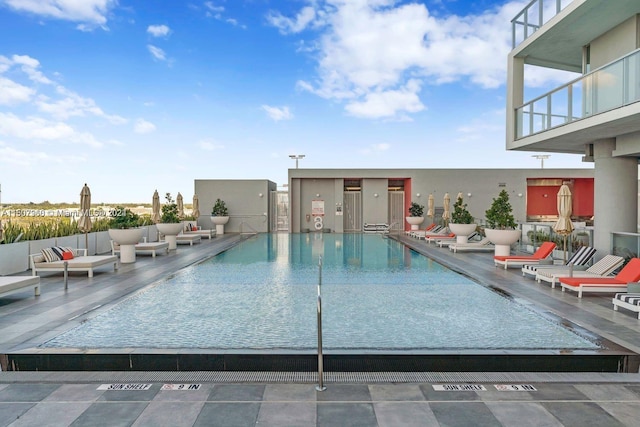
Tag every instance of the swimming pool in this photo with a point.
(377, 295)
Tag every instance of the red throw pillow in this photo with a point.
(194, 228)
(67, 255)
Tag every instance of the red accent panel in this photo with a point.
(538, 204)
(583, 189)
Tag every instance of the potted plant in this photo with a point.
(461, 222)
(415, 217)
(219, 215)
(501, 226)
(170, 224)
(124, 230)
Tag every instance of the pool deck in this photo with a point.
(67, 398)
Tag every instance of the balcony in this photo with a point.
(532, 17)
(612, 86)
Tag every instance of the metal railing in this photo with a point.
(532, 17)
(320, 386)
(611, 86)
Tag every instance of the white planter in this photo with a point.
(462, 231)
(170, 232)
(415, 221)
(127, 239)
(502, 239)
(219, 222)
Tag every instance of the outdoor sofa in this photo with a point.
(13, 284)
(80, 262)
(196, 230)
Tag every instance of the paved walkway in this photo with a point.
(290, 399)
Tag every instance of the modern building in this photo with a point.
(345, 200)
(596, 114)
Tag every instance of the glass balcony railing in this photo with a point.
(532, 17)
(609, 87)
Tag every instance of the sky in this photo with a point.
(130, 96)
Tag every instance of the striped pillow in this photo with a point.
(55, 253)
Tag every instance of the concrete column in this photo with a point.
(515, 94)
(616, 194)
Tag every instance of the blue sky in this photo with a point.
(130, 96)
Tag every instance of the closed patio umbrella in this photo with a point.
(180, 203)
(564, 226)
(430, 207)
(196, 207)
(1, 231)
(155, 208)
(446, 214)
(84, 223)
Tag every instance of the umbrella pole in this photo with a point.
(565, 249)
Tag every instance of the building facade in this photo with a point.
(596, 114)
(345, 200)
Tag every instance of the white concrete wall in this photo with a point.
(243, 200)
(615, 43)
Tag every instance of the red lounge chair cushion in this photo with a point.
(630, 273)
(513, 257)
(604, 281)
(543, 251)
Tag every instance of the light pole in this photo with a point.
(541, 157)
(296, 157)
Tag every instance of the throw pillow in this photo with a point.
(67, 255)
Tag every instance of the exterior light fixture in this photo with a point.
(296, 157)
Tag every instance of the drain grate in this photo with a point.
(312, 377)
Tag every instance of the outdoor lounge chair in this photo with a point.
(435, 238)
(481, 245)
(13, 284)
(152, 248)
(187, 239)
(194, 229)
(419, 234)
(80, 262)
(602, 268)
(447, 241)
(628, 301)
(629, 273)
(543, 252)
(577, 261)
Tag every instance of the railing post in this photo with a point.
(66, 274)
(320, 386)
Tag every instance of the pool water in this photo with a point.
(376, 295)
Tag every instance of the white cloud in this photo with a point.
(30, 67)
(39, 129)
(213, 8)
(292, 25)
(157, 52)
(13, 156)
(142, 126)
(278, 113)
(209, 145)
(375, 149)
(14, 93)
(74, 105)
(89, 12)
(371, 54)
(158, 30)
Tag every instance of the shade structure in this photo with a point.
(180, 203)
(446, 213)
(84, 223)
(564, 226)
(155, 208)
(430, 207)
(196, 207)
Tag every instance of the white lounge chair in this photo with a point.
(152, 248)
(13, 284)
(80, 262)
(628, 301)
(480, 245)
(602, 268)
(196, 230)
(578, 261)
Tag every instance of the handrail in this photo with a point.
(524, 13)
(320, 386)
(588, 88)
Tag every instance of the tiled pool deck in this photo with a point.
(290, 399)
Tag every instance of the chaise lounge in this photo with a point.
(144, 248)
(577, 261)
(13, 284)
(196, 230)
(543, 252)
(629, 273)
(481, 245)
(607, 265)
(80, 261)
(628, 301)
